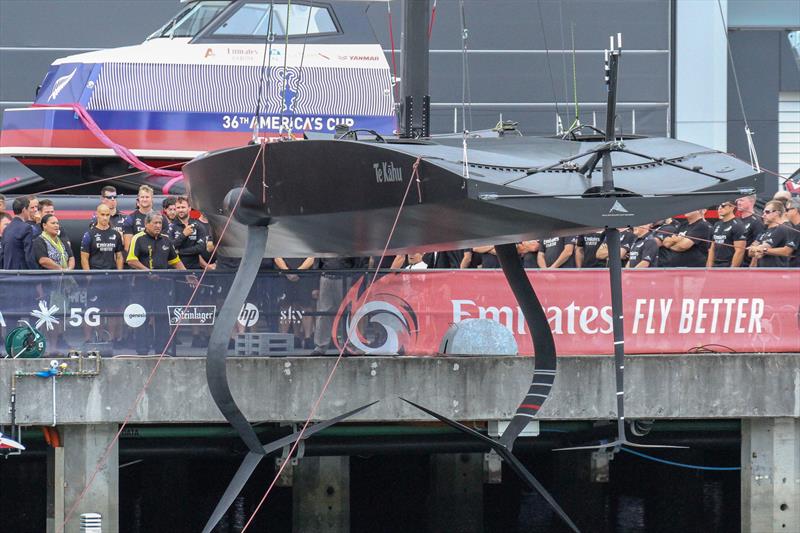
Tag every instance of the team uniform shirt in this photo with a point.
(725, 234)
(644, 248)
(117, 222)
(665, 255)
(553, 247)
(699, 233)
(777, 237)
(489, 261)
(153, 253)
(590, 243)
(794, 229)
(189, 248)
(134, 223)
(753, 227)
(102, 245)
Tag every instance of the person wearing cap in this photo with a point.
(729, 238)
(776, 243)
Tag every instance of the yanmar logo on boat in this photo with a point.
(618, 210)
(192, 315)
(387, 173)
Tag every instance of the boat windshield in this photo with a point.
(191, 19)
(253, 19)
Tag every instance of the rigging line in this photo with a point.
(547, 58)
(315, 406)
(268, 38)
(748, 132)
(563, 58)
(577, 122)
(285, 62)
(302, 60)
(433, 19)
(104, 458)
(101, 180)
(466, 94)
(394, 61)
(682, 465)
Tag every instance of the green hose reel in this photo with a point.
(26, 342)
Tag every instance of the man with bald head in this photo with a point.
(102, 246)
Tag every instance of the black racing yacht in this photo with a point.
(360, 193)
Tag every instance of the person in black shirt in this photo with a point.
(135, 222)
(487, 257)
(586, 251)
(557, 252)
(644, 250)
(169, 209)
(692, 242)
(753, 225)
(101, 246)
(793, 223)
(729, 238)
(626, 238)
(529, 254)
(188, 236)
(664, 231)
(151, 249)
(108, 197)
(776, 243)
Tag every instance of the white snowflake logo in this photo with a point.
(45, 315)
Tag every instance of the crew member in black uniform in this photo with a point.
(665, 234)
(691, 244)
(586, 250)
(101, 246)
(644, 250)
(777, 243)
(626, 238)
(729, 238)
(135, 222)
(108, 197)
(187, 235)
(487, 257)
(753, 225)
(793, 224)
(557, 252)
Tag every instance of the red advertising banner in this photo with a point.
(666, 311)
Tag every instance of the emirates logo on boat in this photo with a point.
(60, 83)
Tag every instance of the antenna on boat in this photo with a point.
(415, 77)
(608, 189)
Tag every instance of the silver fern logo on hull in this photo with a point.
(60, 83)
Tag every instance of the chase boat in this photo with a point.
(198, 84)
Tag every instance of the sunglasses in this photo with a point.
(110, 197)
(768, 211)
(726, 205)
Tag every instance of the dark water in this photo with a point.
(392, 494)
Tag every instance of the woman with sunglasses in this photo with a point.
(776, 243)
(730, 239)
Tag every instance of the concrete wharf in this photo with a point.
(761, 390)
